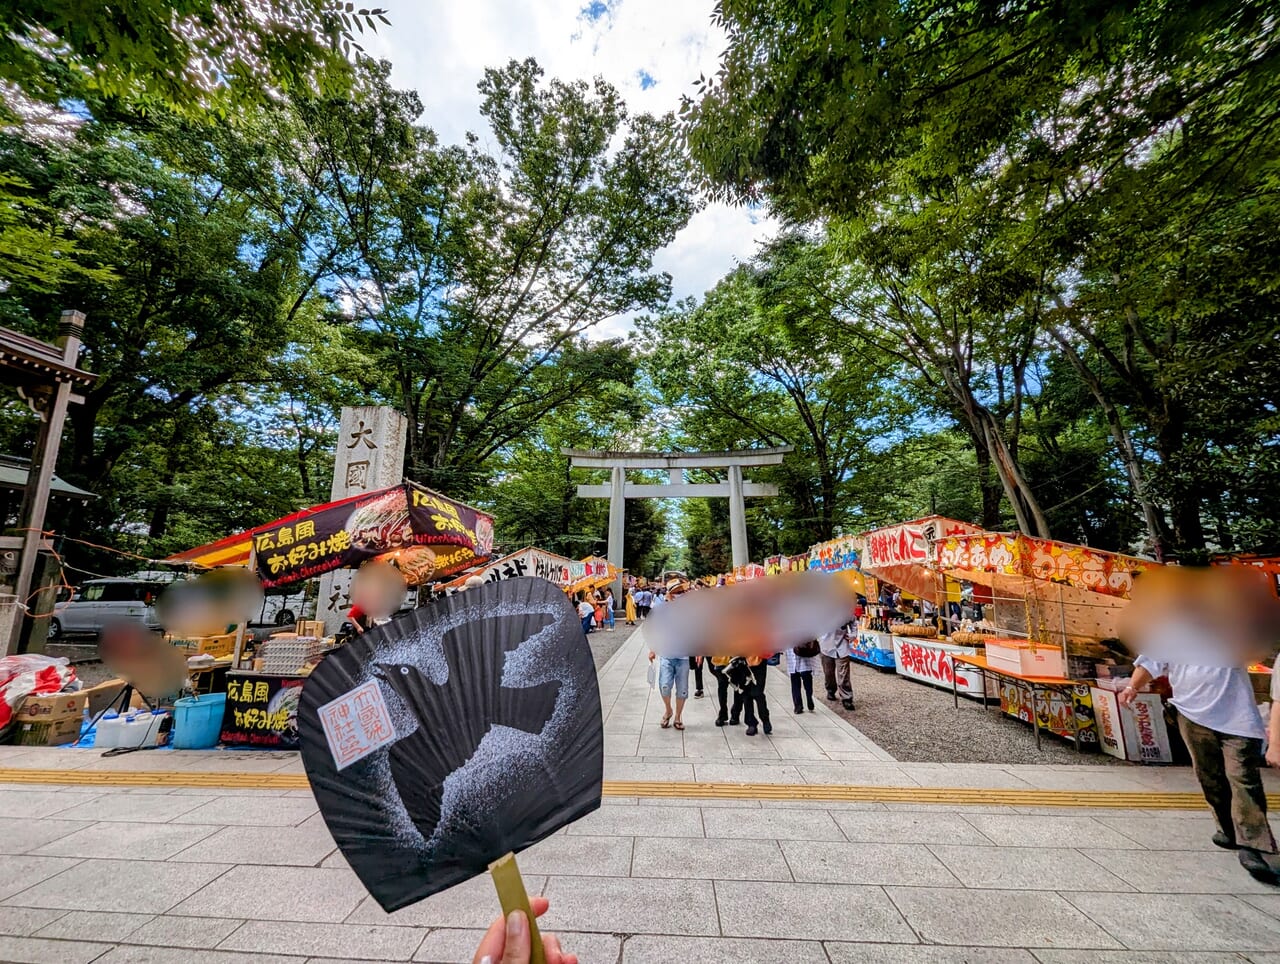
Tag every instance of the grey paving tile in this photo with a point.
(865, 863)
(137, 954)
(1177, 922)
(643, 949)
(24, 921)
(232, 812)
(33, 950)
(1108, 779)
(26, 804)
(91, 925)
(122, 886)
(1157, 834)
(771, 824)
(641, 820)
(134, 808)
(924, 954)
(621, 769)
(17, 874)
(998, 918)
(1180, 872)
(452, 946)
(1131, 957)
(303, 846)
(20, 836)
(192, 932)
(137, 841)
(605, 905)
(746, 773)
(577, 855)
(981, 779)
(1022, 830)
(1027, 868)
(715, 858)
(471, 904)
(306, 894)
(1269, 904)
(896, 827)
(805, 912)
(366, 941)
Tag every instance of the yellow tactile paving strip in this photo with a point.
(1154, 800)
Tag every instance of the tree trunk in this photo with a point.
(1124, 445)
(164, 504)
(991, 489)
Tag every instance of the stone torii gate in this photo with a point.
(618, 489)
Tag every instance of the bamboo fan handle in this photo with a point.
(512, 895)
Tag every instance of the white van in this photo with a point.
(102, 601)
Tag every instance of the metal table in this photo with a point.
(1030, 683)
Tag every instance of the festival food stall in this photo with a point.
(1062, 601)
(426, 535)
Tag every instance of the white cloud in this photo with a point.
(651, 50)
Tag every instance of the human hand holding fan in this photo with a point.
(456, 734)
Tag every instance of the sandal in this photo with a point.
(679, 725)
(666, 722)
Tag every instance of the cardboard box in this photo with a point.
(1021, 657)
(55, 706)
(101, 696)
(47, 732)
(310, 627)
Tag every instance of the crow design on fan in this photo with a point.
(488, 705)
(480, 735)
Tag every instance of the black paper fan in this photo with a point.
(453, 735)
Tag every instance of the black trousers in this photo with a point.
(695, 664)
(804, 680)
(754, 702)
(722, 695)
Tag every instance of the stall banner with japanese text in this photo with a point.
(836, 555)
(334, 536)
(437, 520)
(932, 663)
(1012, 554)
(400, 519)
(262, 711)
(911, 543)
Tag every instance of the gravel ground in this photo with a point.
(917, 724)
(604, 643)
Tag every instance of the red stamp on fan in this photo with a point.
(356, 724)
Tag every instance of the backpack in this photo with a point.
(810, 648)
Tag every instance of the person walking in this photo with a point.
(1220, 723)
(631, 606)
(695, 664)
(751, 696)
(608, 609)
(837, 665)
(802, 660)
(644, 598)
(673, 675)
(719, 666)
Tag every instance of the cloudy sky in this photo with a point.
(651, 50)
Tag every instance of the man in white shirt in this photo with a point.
(1219, 720)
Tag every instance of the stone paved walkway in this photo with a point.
(178, 873)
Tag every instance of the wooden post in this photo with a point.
(35, 500)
